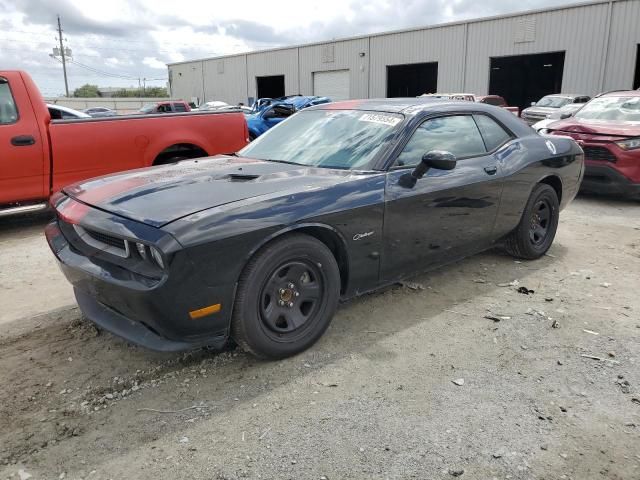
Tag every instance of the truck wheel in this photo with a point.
(287, 296)
(537, 228)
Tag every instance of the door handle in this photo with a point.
(491, 170)
(23, 141)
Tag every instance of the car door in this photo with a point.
(446, 214)
(21, 150)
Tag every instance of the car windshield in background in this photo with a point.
(553, 102)
(148, 108)
(567, 109)
(617, 109)
(345, 139)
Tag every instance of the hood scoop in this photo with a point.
(242, 177)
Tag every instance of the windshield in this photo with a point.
(148, 108)
(618, 109)
(566, 110)
(553, 102)
(345, 139)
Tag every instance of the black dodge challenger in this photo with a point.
(336, 201)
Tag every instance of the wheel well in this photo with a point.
(179, 150)
(555, 183)
(335, 244)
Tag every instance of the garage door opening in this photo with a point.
(333, 84)
(636, 77)
(270, 87)
(412, 80)
(523, 79)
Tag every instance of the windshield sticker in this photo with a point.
(380, 118)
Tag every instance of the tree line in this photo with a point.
(93, 91)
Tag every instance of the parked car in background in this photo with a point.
(608, 130)
(550, 104)
(470, 97)
(98, 112)
(498, 101)
(565, 112)
(213, 105)
(173, 106)
(40, 155)
(269, 112)
(336, 202)
(58, 112)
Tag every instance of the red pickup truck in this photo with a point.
(39, 156)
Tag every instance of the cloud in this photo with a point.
(130, 39)
(153, 62)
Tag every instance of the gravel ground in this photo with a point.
(412, 382)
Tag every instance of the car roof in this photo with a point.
(409, 106)
(620, 93)
(567, 95)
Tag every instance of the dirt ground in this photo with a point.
(406, 383)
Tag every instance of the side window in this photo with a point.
(494, 135)
(179, 107)
(8, 110)
(457, 134)
(55, 114)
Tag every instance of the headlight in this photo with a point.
(630, 144)
(147, 253)
(157, 256)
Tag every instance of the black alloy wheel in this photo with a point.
(537, 228)
(540, 222)
(287, 295)
(291, 296)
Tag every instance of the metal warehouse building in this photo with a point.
(583, 48)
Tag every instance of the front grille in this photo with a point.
(599, 153)
(103, 241)
(107, 239)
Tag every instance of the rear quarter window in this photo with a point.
(492, 132)
(8, 110)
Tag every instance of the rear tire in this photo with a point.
(537, 228)
(287, 296)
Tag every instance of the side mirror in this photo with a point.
(564, 115)
(438, 159)
(533, 104)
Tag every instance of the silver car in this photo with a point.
(550, 104)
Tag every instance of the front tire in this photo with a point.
(537, 228)
(287, 296)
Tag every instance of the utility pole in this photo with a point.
(64, 62)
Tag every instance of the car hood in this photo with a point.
(157, 196)
(597, 127)
(539, 111)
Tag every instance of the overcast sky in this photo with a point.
(112, 39)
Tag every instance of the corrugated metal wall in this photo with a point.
(596, 57)
(344, 55)
(275, 62)
(186, 81)
(623, 45)
(443, 45)
(577, 31)
(223, 79)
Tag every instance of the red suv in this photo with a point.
(608, 130)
